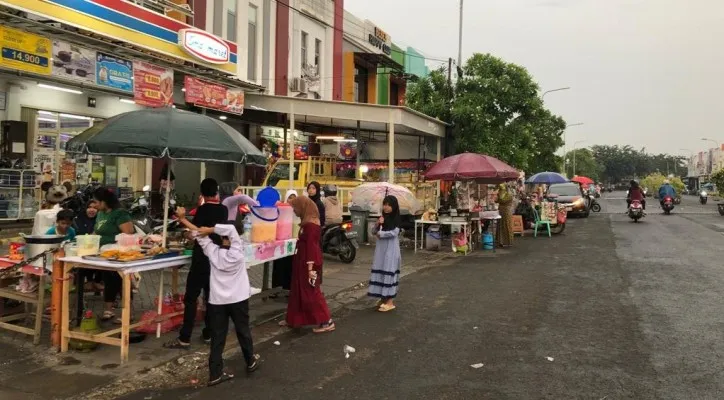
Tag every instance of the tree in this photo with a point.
(624, 162)
(495, 110)
(586, 164)
(655, 180)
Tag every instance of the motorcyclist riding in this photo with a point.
(635, 193)
(666, 190)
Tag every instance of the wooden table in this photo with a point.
(125, 270)
(36, 298)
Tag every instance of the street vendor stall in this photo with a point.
(472, 203)
(254, 254)
(164, 133)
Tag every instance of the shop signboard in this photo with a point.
(209, 95)
(24, 51)
(73, 62)
(127, 21)
(152, 85)
(378, 38)
(114, 72)
(204, 46)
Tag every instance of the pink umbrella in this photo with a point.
(472, 166)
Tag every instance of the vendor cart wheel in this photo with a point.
(347, 252)
(558, 229)
(596, 208)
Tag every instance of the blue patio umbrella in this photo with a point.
(547, 178)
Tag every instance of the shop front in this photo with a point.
(56, 81)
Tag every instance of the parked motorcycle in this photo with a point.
(141, 212)
(703, 197)
(668, 205)
(80, 199)
(636, 211)
(339, 240)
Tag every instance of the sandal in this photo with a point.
(223, 378)
(325, 327)
(386, 308)
(108, 315)
(254, 365)
(177, 344)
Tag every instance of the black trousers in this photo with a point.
(197, 280)
(220, 314)
(112, 286)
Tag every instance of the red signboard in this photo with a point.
(152, 85)
(209, 95)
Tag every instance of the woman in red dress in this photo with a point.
(307, 305)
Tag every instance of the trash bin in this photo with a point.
(359, 222)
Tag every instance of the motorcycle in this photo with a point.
(339, 240)
(668, 205)
(78, 201)
(595, 206)
(703, 197)
(636, 211)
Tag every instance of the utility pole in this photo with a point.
(460, 37)
(448, 130)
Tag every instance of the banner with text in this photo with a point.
(209, 95)
(24, 51)
(152, 85)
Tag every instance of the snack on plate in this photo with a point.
(110, 253)
(130, 255)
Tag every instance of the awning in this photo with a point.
(345, 115)
(381, 60)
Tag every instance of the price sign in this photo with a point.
(25, 51)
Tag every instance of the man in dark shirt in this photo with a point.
(207, 215)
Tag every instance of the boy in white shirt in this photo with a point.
(229, 292)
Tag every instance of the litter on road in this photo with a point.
(277, 343)
(478, 365)
(549, 359)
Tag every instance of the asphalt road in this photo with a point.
(609, 310)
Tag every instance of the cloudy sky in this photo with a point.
(648, 73)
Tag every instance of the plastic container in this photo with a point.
(285, 223)
(128, 242)
(296, 227)
(88, 244)
(264, 224)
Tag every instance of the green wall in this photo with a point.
(383, 76)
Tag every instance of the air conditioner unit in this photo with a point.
(295, 84)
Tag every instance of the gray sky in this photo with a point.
(642, 72)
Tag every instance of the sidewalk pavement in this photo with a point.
(32, 372)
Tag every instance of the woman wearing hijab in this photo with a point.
(84, 224)
(282, 271)
(315, 193)
(307, 305)
(385, 274)
(505, 208)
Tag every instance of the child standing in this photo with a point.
(63, 225)
(228, 296)
(385, 274)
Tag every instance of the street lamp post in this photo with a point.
(565, 143)
(547, 91)
(574, 155)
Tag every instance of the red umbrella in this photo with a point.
(471, 166)
(583, 180)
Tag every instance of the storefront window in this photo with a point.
(360, 84)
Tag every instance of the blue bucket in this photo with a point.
(488, 241)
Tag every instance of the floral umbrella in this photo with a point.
(369, 196)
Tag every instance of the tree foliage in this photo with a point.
(655, 180)
(495, 109)
(717, 178)
(619, 163)
(586, 164)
